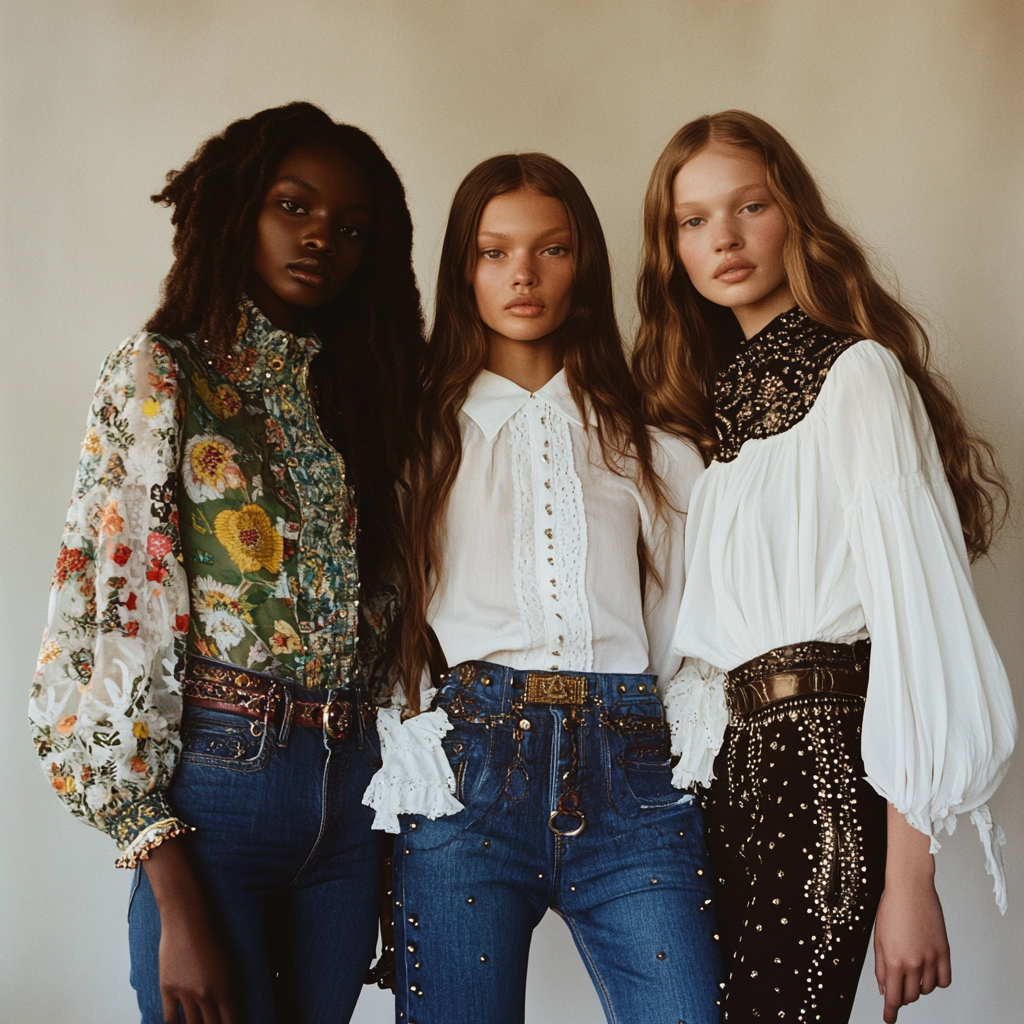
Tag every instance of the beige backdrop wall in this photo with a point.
(909, 112)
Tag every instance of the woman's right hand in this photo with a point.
(193, 967)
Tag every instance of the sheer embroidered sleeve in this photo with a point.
(105, 704)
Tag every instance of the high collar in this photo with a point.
(493, 400)
(262, 352)
(791, 320)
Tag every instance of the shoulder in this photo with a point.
(141, 355)
(871, 375)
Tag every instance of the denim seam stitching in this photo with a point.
(613, 1018)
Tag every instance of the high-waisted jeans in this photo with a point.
(568, 805)
(289, 865)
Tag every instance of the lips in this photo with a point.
(310, 271)
(525, 306)
(733, 271)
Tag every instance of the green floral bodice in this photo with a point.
(267, 519)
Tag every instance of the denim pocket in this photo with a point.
(219, 739)
(639, 754)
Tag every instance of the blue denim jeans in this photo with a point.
(568, 805)
(290, 867)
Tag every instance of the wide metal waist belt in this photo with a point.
(805, 668)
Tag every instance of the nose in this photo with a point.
(319, 237)
(524, 271)
(728, 237)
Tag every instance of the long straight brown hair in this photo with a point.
(589, 344)
(680, 343)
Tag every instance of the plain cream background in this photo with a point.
(911, 114)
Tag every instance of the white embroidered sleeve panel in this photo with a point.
(105, 703)
(540, 545)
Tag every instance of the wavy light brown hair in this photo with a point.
(684, 338)
(589, 344)
(366, 379)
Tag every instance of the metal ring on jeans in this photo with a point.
(574, 814)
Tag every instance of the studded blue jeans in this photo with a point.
(290, 866)
(568, 805)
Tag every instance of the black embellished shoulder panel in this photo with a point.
(774, 379)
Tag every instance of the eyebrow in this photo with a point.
(309, 187)
(301, 182)
(503, 235)
(753, 186)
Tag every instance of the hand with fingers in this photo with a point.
(911, 946)
(194, 971)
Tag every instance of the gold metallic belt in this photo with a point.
(223, 687)
(806, 668)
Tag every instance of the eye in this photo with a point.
(491, 254)
(693, 222)
(556, 250)
(291, 206)
(754, 207)
(350, 231)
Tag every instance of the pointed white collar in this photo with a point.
(493, 400)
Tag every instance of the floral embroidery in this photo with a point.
(250, 538)
(104, 697)
(773, 380)
(208, 468)
(209, 514)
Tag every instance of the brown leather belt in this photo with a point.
(239, 691)
(811, 667)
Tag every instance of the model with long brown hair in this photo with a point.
(544, 563)
(832, 530)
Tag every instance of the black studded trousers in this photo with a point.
(797, 841)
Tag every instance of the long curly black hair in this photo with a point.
(366, 381)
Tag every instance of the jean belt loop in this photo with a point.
(284, 731)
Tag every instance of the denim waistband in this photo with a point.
(496, 689)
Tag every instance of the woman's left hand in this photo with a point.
(911, 947)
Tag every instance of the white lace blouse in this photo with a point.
(540, 567)
(843, 526)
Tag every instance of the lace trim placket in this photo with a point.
(550, 538)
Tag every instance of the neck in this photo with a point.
(758, 315)
(280, 313)
(529, 364)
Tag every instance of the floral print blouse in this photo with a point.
(211, 517)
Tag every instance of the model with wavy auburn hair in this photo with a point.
(831, 531)
(679, 347)
(589, 344)
(536, 775)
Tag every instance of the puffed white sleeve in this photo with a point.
(939, 722)
(693, 692)
(415, 776)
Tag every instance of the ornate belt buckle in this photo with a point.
(336, 719)
(554, 688)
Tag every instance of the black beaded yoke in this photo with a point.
(774, 380)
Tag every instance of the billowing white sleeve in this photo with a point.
(415, 776)
(939, 722)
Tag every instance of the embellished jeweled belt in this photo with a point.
(222, 687)
(805, 668)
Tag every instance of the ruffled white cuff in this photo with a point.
(697, 717)
(993, 838)
(415, 777)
